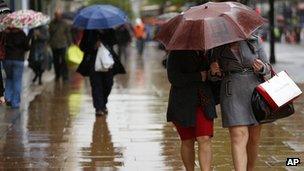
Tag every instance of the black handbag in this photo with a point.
(263, 113)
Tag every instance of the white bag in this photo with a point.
(104, 60)
(279, 90)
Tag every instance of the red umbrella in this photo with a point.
(209, 25)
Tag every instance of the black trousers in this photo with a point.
(101, 83)
(60, 65)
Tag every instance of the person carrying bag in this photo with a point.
(100, 63)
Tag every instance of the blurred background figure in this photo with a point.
(3, 11)
(38, 57)
(60, 38)
(16, 44)
(140, 35)
(124, 38)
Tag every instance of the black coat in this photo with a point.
(183, 69)
(88, 46)
(16, 44)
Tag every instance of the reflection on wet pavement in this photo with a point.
(60, 130)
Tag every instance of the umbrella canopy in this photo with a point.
(25, 19)
(209, 25)
(100, 17)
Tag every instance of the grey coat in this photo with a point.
(239, 81)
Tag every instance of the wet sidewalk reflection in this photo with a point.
(60, 131)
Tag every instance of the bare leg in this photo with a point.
(188, 154)
(252, 146)
(239, 139)
(204, 152)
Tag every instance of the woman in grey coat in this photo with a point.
(241, 64)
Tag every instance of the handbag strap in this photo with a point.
(273, 73)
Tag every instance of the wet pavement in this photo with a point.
(59, 130)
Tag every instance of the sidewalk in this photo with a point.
(59, 130)
(29, 91)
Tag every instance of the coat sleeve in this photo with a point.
(175, 74)
(68, 34)
(263, 57)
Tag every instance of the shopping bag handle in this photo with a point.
(272, 72)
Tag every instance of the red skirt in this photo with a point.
(203, 127)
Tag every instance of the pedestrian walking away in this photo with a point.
(191, 105)
(3, 11)
(242, 63)
(60, 39)
(16, 45)
(140, 35)
(101, 82)
(38, 57)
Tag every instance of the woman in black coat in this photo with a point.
(191, 105)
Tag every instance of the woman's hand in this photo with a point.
(2, 100)
(215, 69)
(258, 65)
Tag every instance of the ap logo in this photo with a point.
(292, 161)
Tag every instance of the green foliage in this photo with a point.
(125, 5)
